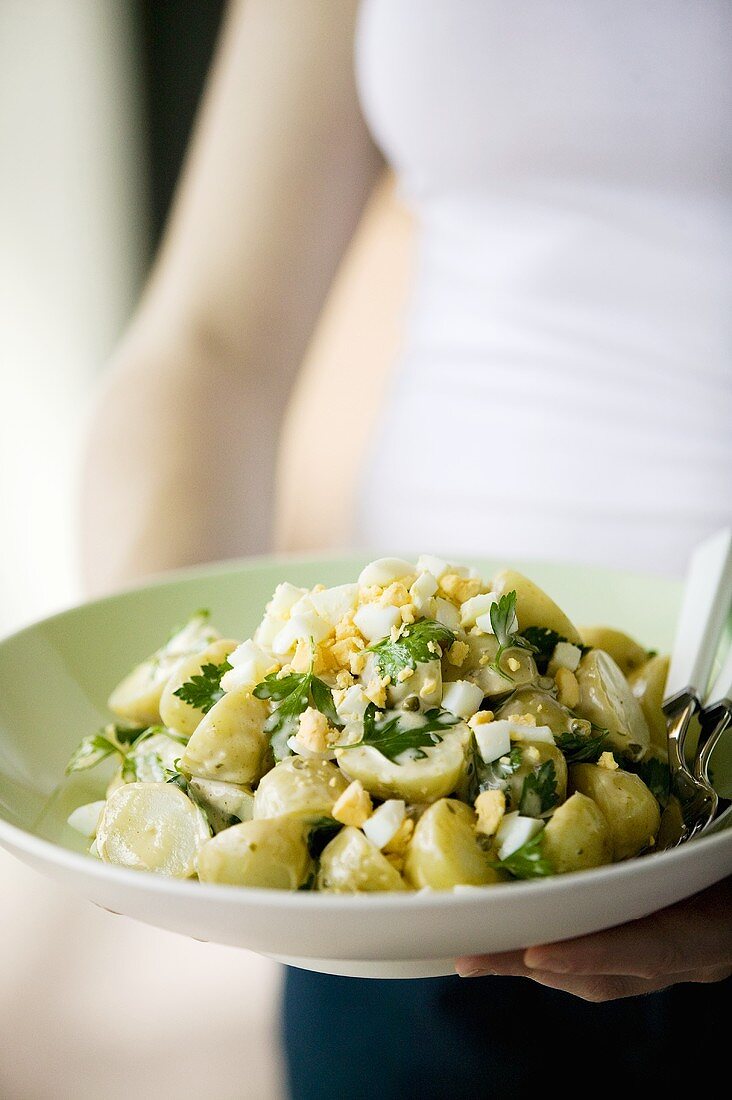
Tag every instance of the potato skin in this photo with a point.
(444, 850)
(624, 650)
(271, 853)
(533, 606)
(631, 811)
(546, 752)
(648, 684)
(352, 864)
(607, 700)
(543, 706)
(299, 786)
(180, 716)
(437, 774)
(577, 836)
(229, 742)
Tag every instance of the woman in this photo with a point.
(564, 392)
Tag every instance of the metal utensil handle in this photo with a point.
(704, 609)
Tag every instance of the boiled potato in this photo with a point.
(533, 606)
(229, 743)
(529, 763)
(607, 700)
(545, 709)
(479, 668)
(626, 652)
(424, 685)
(223, 801)
(137, 697)
(648, 684)
(577, 836)
(426, 779)
(628, 806)
(152, 827)
(352, 864)
(444, 850)
(272, 853)
(180, 716)
(299, 786)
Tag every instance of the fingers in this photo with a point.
(695, 935)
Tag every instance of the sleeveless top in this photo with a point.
(564, 389)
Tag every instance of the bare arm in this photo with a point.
(180, 463)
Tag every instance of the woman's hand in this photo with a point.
(688, 942)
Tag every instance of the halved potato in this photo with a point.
(152, 827)
(425, 779)
(627, 805)
(648, 684)
(180, 716)
(229, 743)
(299, 786)
(529, 764)
(624, 650)
(607, 700)
(444, 850)
(577, 836)
(352, 864)
(137, 697)
(533, 606)
(223, 801)
(272, 854)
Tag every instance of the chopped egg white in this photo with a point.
(375, 622)
(515, 831)
(462, 698)
(384, 571)
(385, 822)
(422, 590)
(298, 628)
(447, 614)
(428, 563)
(250, 664)
(493, 739)
(85, 819)
(353, 703)
(565, 655)
(285, 596)
(521, 731)
(334, 604)
(475, 606)
(483, 622)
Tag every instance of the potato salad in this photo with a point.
(420, 728)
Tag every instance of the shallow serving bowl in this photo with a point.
(56, 675)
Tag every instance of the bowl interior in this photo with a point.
(56, 675)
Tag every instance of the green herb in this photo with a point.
(582, 748)
(539, 791)
(418, 642)
(498, 772)
(320, 835)
(655, 774)
(204, 689)
(109, 739)
(503, 620)
(527, 861)
(544, 641)
(293, 694)
(391, 737)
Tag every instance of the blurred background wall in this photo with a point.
(97, 98)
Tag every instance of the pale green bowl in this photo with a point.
(56, 675)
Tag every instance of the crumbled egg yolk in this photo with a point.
(313, 730)
(354, 806)
(457, 653)
(568, 693)
(460, 589)
(480, 718)
(398, 843)
(490, 806)
(405, 674)
(513, 664)
(395, 595)
(608, 761)
(375, 690)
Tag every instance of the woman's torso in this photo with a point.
(565, 387)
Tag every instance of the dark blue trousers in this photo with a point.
(483, 1037)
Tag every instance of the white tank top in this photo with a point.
(565, 386)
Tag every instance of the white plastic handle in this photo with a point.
(704, 609)
(722, 686)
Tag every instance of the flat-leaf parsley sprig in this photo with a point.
(417, 643)
(294, 693)
(204, 689)
(527, 861)
(505, 627)
(395, 734)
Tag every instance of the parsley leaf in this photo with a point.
(539, 791)
(320, 834)
(293, 694)
(655, 774)
(527, 861)
(109, 739)
(543, 641)
(204, 689)
(504, 623)
(391, 737)
(582, 748)
(418, 642)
